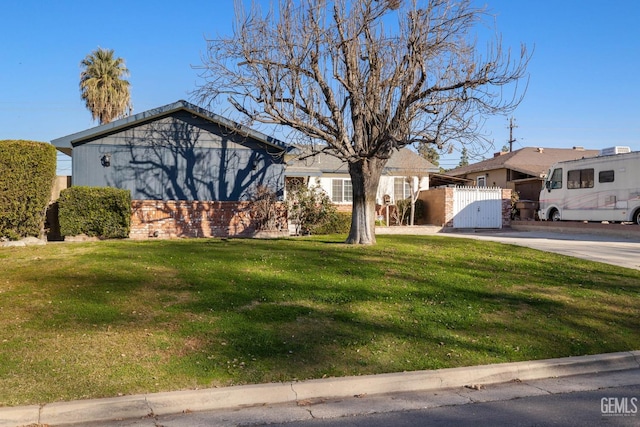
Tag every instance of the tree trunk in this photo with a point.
(413, 212)
(365, 176)
(414, 185)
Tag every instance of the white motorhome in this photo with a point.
(603, 188)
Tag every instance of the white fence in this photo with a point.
(477, 207)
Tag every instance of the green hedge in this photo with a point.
(337, 223)
(95, 211)
(27, 172)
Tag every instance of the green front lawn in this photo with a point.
(85, 320)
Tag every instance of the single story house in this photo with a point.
(190, 172)
(176, 152)
(178, 159)
(522, 170)
(404, 170)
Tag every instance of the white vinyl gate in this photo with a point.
(477, 207)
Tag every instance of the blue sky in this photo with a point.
(582, 89)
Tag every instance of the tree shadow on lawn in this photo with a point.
(354, 332)
(240, 312)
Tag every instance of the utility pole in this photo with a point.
(512, 125)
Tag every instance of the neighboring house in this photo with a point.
(332, 175)
(176, 152)
(522, 170)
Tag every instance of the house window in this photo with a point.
(401, 189)
(580, 178)
(341, 191)
(606, 176)
(481, 181)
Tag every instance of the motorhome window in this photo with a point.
(580, 178)
(556, 179)
(606, 176)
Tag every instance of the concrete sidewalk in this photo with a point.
(161, 404)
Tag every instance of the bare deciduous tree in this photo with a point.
(362, 78)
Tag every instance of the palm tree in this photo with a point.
(102, 86)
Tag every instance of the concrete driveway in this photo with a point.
(621, 251)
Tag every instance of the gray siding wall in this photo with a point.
(180, 157)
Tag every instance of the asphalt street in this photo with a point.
(569, 409)
(610, 399)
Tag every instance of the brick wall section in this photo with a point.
(448, 208)
(343, 207)
(506, 207)
(438, 206)
(171, 219)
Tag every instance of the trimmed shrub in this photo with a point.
(27, 171)
(95, 211)
(336, 223)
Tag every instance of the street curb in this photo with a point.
(140, 406)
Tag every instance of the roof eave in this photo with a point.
(468, 171)
(66, 143)
(535, 174)
(70, 140)
(411, 171)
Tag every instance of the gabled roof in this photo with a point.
(66, 143)
(529, 160)
(403, 162)
(406, 162)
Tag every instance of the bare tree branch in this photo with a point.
(363, 78)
